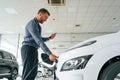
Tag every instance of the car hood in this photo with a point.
(101, 43)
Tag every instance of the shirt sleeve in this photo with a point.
(45, 39)
(33, 29)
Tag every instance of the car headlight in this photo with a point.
(76, 63)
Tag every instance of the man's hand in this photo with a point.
(52, 57)
(52, 36)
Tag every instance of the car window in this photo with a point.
(7, 55)
(0, 55)
(13, 58)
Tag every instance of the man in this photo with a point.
(32, 41)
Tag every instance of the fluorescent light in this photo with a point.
(9, 32)
(10, 10)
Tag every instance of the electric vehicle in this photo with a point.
(94, 59)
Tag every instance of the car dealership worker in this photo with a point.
(32, 41)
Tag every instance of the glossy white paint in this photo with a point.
(106, 47)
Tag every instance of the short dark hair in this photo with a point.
(43, 10)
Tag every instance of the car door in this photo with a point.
(7, 62)
(2, 64)
(14, 62)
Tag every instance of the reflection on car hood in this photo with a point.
(101, 43)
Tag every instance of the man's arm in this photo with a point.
(45, 39)
(32, 28)
(49, 38)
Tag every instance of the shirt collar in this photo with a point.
(36, 20)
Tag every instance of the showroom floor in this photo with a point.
(35, 79)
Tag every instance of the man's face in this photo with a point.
(43, 17)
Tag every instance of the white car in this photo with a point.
(94, 59)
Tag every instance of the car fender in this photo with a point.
(97, 61)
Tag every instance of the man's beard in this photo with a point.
(41, 22)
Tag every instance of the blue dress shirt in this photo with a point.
(33, 36)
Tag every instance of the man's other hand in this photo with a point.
(52, 36)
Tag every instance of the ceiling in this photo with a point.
(77, 21)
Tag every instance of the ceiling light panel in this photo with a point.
(10, 10)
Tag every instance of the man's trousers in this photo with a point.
(29, 56)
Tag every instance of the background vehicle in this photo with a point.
(94, 59)
(8, 65)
